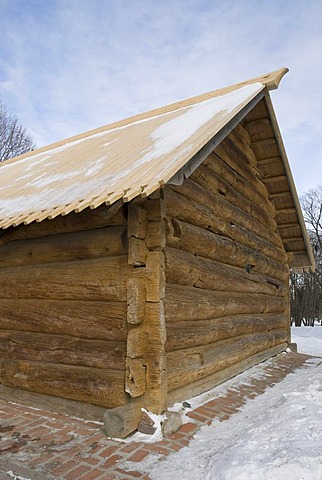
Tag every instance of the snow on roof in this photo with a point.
(123, 160)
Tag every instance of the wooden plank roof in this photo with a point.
(130, 158)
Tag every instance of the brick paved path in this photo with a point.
(40, 445)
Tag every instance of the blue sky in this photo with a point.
(68, 66)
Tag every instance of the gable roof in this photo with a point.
(130, 158)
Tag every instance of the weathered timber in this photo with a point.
(239, 183)
(93, 279)
(232, 157)
(135, 376)
(101, 320)
(227, 211)
(191, 211)
(204, 243)
(90, 385)
(119, 422)
(153, 273)
(136, 295)
(183, 268)
(137, 252)
(50, 403)
(202, 332)
(73, 222)
(187, 365)
(108, 241)
(62, 349)
(239, 137)
(210, 381)
(189, 303)
(214, 183)
(137, 221)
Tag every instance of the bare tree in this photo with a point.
(306, 288)
(14, 138)
(312, 208)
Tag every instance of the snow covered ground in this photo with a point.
(275, 436)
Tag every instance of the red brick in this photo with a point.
(138, 456)
(41, 459)
(112, 461)
(188, 428)
(175, 436)
(75, 474)
(108, 451)
(130, 473)
(197, 416)
(176, 446)
(130, 447)
(154, 447)
(89, 460)
(94, 474)
(184, 442)
(207, 412)
(62, 469)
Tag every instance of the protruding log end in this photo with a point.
(272, 80)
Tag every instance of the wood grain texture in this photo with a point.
(89, 385)
(188, 303)
(89, 319)
(203, 216)
(202, 332)
(201, 242)
(190, 364)
(73, 222)
(239, 183)
(62, 349)
(92, 279)
(186, 269)
(228, 212)
(205, 383)
(108, 241)
(205, 177)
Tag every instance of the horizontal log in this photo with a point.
(228, 212)
(93, 279)
(239, 183)
(202, 332)
(238, 161)
(87, 219)
(121, 421)
(183, 268)
(109, 241)
(241, 135)
(204, 243)
(100, 320)
(193, 212)
(210, 381)
(190, 303)
(62, 349)
(188, 365)
(208, 179)
(240, 138)
(84, 384)
(53, 404)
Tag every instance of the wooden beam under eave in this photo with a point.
(275, 178)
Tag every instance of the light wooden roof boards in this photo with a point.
(126, 159)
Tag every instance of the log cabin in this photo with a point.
(147, 261)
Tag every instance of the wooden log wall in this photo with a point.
(63, 306)
(226, 301)
(145, 356)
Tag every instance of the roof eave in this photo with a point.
(311, 261)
